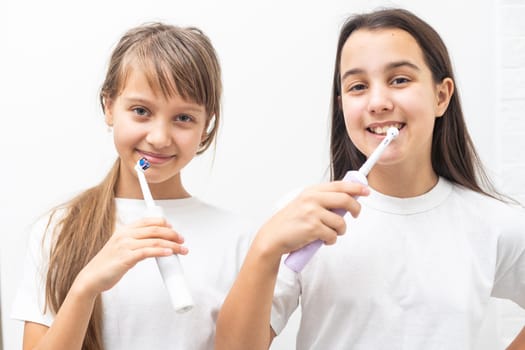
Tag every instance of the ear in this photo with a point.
(108, 113)
(208, 128)
(444, 92)
(204, 137)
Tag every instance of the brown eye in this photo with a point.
(357, 87)
(400, 80)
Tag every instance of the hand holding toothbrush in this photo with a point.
(308, 218)
(298, 259)
(129, 244)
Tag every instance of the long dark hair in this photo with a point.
(453, 154)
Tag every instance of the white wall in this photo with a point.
(277, 59)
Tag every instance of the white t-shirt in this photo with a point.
(137, 310)
(413, 273)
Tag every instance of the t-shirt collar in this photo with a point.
(412, 205)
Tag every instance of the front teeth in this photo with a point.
(381, 130)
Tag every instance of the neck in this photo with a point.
(172, 189)
(402, 183)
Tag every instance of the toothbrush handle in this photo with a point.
(172, 274)
(173, 277)
(297, 259)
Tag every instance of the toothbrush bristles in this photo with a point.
(144, 164)
(140, 168)
(392, 133)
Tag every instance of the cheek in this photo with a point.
(353, 106)
(124, 137)
(352, 112)
(190, 140)
(420, 103)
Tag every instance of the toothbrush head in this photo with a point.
(392, 133)
(143, 164)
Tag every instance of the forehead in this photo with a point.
(136, 82)
(371, 48)
(145, 75)
(139, 87)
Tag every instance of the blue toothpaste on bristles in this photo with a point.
(144, 164)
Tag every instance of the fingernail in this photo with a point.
(183, 250)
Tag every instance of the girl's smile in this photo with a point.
(381, 128)
(156, 158)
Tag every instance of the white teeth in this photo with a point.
(381, 130)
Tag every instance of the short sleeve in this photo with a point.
(286, 297)
(29, 303)
(509, 282)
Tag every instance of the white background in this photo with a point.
(277, 60)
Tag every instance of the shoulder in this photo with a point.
(242, 224)
(213, 210)
(46, 224)
(486, 208)
(484, 201)
(204, 216)
(212, 213)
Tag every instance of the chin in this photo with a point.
(160, 179)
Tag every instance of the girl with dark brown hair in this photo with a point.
(430, 241)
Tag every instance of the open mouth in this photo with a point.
(381, 130)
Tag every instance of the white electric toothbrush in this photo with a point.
(297, 259)
(169, 266)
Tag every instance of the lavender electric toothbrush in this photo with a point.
(297, 259)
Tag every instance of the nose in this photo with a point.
(380, 100)
(159, 134)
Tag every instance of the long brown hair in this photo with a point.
(176, 61)
(453, 154)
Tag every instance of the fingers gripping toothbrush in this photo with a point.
(169, 266)
(297, 259)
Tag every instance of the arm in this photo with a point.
(509, 280)
(69, 326)
(146, 238)
(519, 342)
(244, 319)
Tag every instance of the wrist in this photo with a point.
(82, 289)
(266, 251)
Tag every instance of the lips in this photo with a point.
(156, 158)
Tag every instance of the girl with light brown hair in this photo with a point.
(90, 282)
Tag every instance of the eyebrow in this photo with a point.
(136, 100)
(186, 106)
(389, 66)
